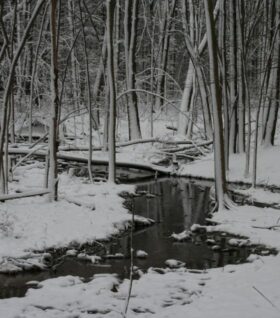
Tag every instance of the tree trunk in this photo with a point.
(164, 49)
(110, 5)
(89, 107)
(34, 69)
(9, 81)
(53, 142)
(233, 77)
(270, 124)
(240, 75)
(219, 158)
(130, 22)
(185, 103)
(222, 45)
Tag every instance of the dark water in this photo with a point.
(177, 205)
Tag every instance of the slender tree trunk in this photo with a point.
(186, 99)
(74, 82)
(34, 69)
(233, 77)
(9, 81)
(199, 76)
(130, 22)
(53, 136)
(222, 45)
(185, 103)
(270, 124)
(152, 65)
(110, 4)
(89, 107)
(220, 177)
(261, 95)
(164, 48)
(240, 75)
(98, 79)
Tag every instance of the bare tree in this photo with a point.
(53, 138)
(219, 154)
(130, 23)
(7, 91)
(110, 5)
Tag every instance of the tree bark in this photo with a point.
(219, 158)
(110, 5)
(130, 22)
(53, 142)
(233, 76)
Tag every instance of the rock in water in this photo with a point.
(183, 236)
(141, 254)
(173, 263)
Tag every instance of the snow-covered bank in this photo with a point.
(268, 172)
(83, 214)
(247, 290)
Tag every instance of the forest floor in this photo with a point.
(246, 290)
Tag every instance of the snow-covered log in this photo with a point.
(96, 161)
(6, 197)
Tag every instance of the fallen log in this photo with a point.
(6, 197)
(103, 161)
(190, 147)
(123, 144)
(139, 141)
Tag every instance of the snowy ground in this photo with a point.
(247, 290)
(268, 168)
(83, 214)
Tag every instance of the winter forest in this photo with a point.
(139, 148)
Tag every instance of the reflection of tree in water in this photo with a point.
(172, 196)
(194, 202)
(177, 205)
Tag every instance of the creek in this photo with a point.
(175, 205)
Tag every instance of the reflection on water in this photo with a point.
(176, 205)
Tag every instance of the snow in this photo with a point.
(263, 196)
(141, 254)
(238, 242)
(252, 222)
(33, 224)
(231, 292)
(71, 252)
(183, 236)
(173, 263)
(247, 290)
(268, 169)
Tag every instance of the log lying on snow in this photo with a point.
(6, 197)
(71, 158)
(192, 146)
(138, 141)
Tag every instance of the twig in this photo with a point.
(271, 227)
(131, 267)
(267, 299)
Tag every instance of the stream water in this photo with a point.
(175, 205)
